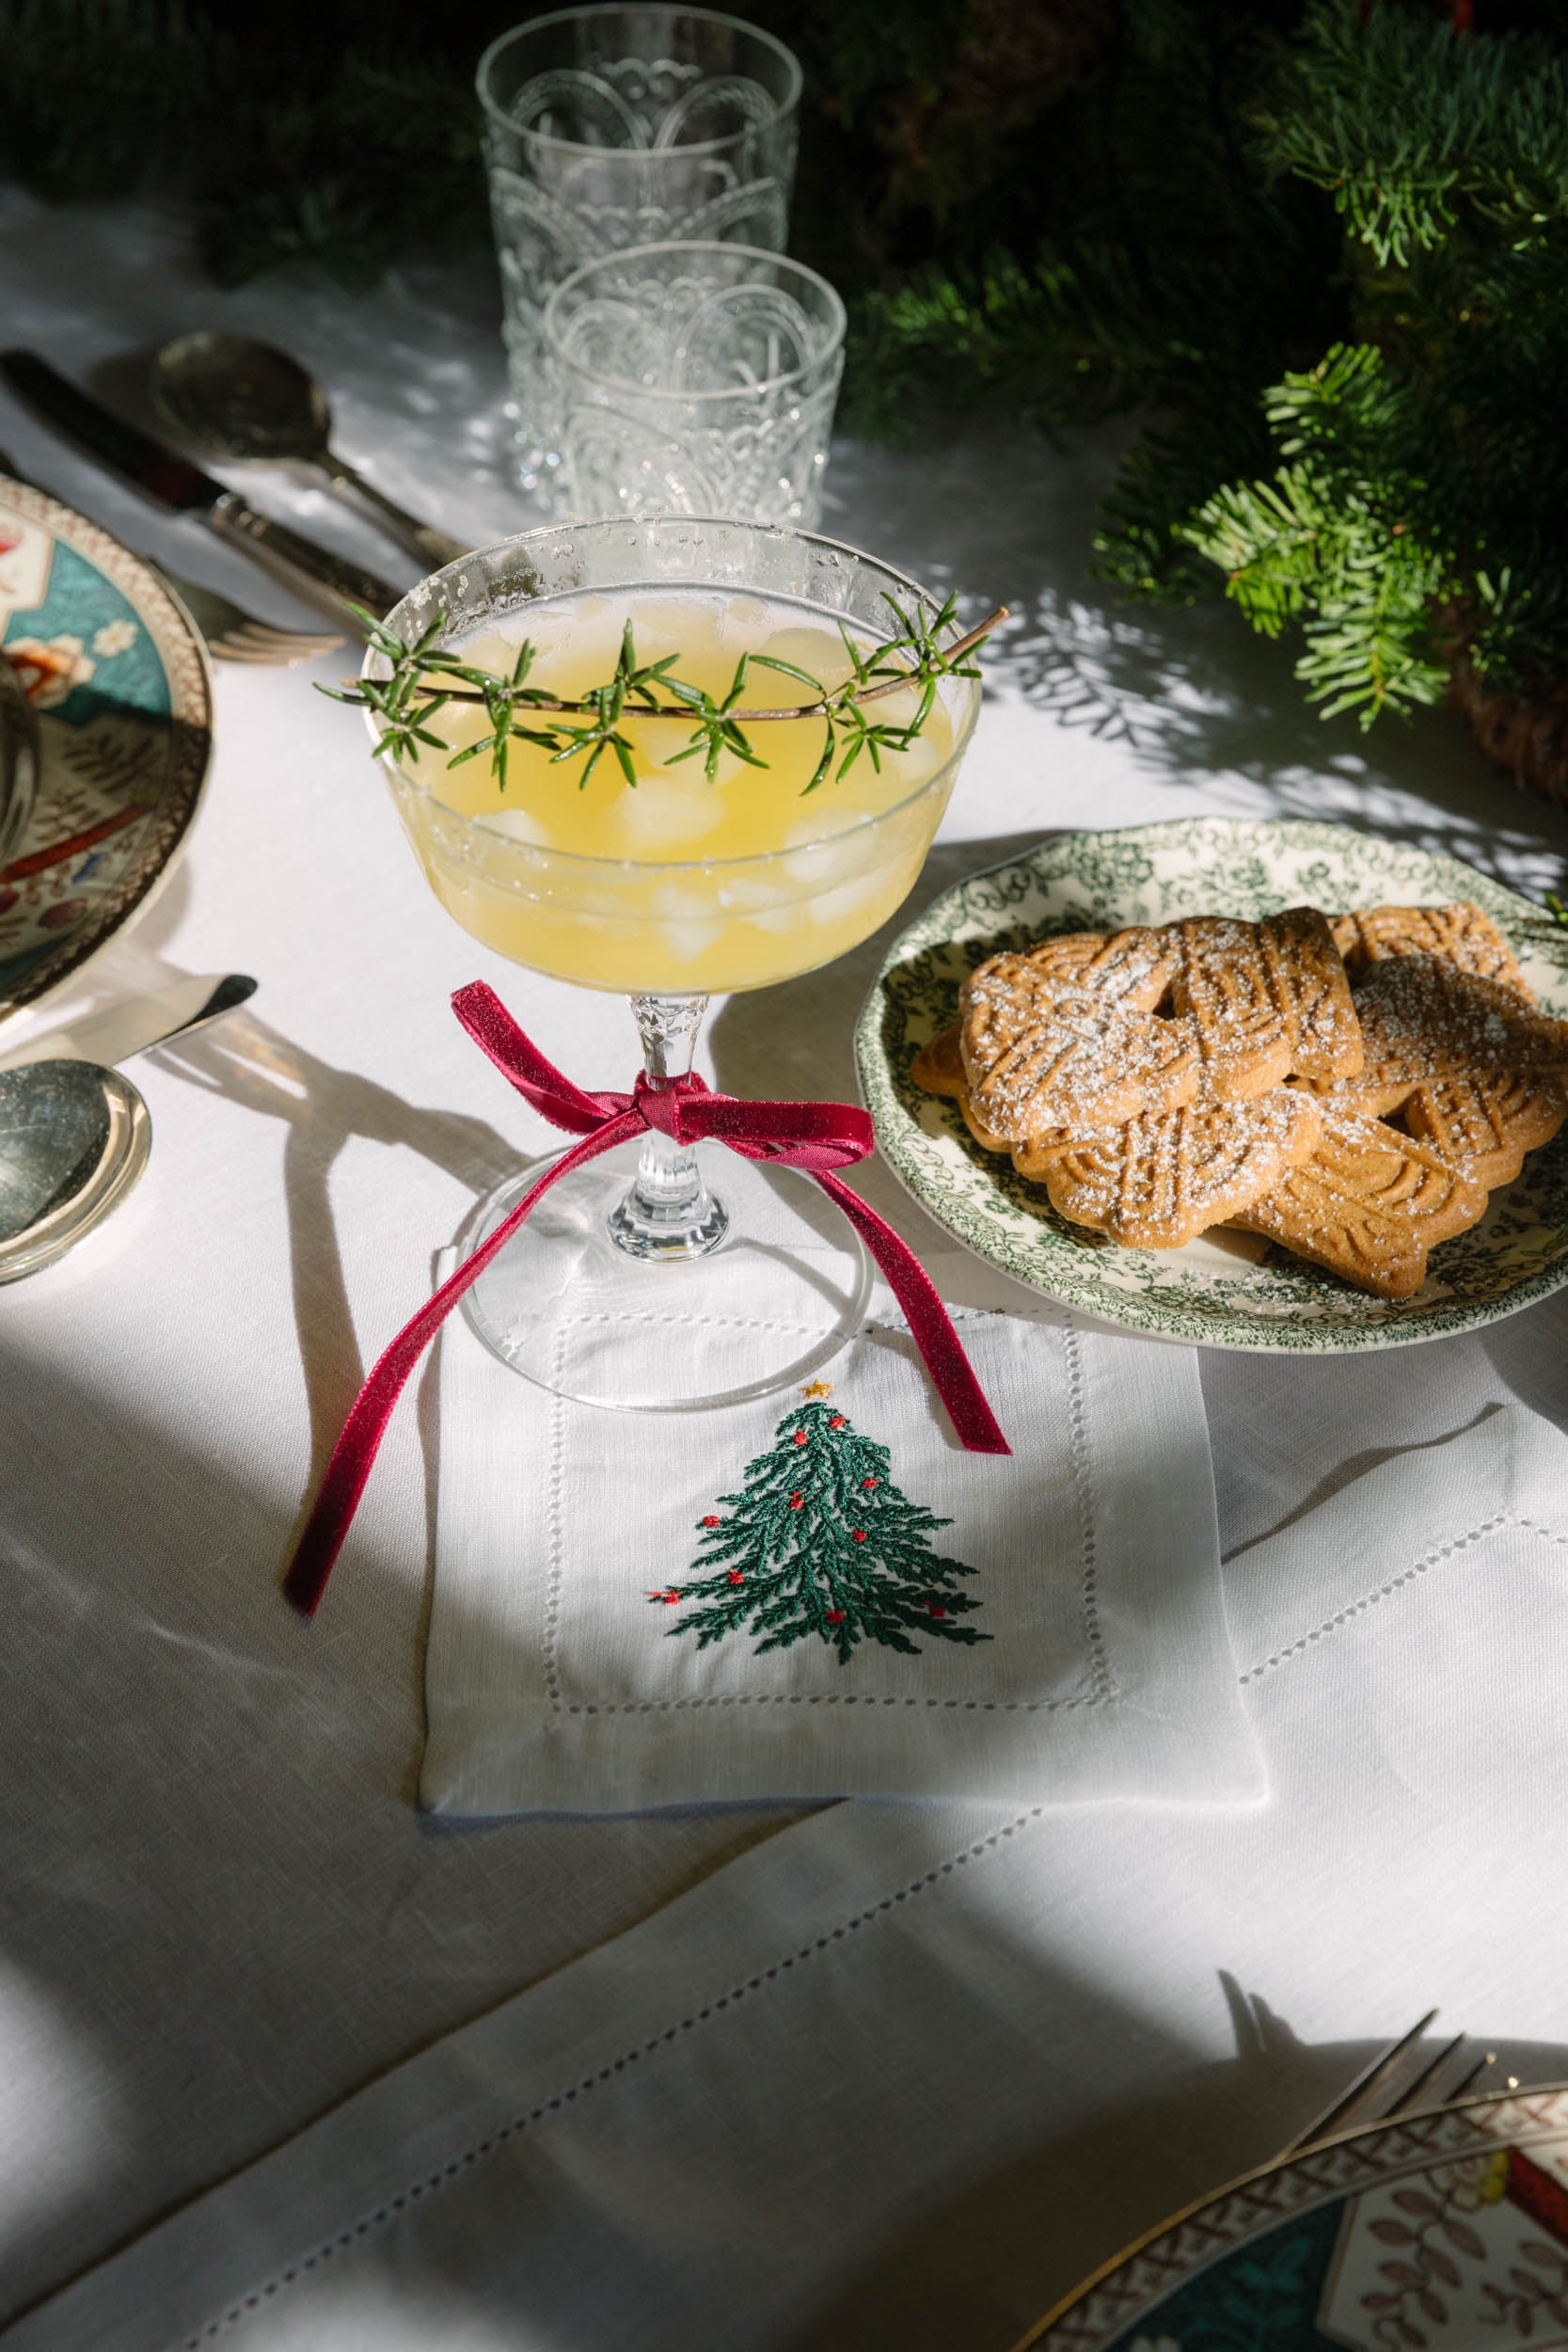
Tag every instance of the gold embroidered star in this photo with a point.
(818, 1388)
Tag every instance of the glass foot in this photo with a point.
(607, 1317)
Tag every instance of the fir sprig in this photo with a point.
(420, 680)
(1408, 126)
(1333, 540)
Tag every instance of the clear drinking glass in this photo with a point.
(693, 379)
(608, 127)
(637, 1235)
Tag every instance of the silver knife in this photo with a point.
(173, 482)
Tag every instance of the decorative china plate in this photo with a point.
(1443, 2232)
(117, 678)
(1224, 1289)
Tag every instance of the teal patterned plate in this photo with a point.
(117, 678)
(1441, 2233)
(1224, 1289)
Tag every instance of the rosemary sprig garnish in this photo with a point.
(420, 680)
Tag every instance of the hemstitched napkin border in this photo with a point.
(545, 1694)
(763, 1928)
(1104, 1688)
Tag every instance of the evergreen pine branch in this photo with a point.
(1171, 471)
(1328, 541)
(1407, 123)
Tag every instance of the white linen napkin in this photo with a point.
(820, 1594)
(903, 2074)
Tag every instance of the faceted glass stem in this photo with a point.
(668, 1212)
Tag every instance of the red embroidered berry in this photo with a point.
(800, 1436)
(837, 1422)
(669, 1599)
(736, 1577)
(936, 1609)
(797, 1502)
(835, 1616)
(857, 1534)
(869, 1482)
(711, 1519)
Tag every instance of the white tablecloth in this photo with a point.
(219, 1912)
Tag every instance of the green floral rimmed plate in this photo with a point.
(117, 678)
(1224, 1289)
(1445, 2231)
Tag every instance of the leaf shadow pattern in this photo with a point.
(1188, 694)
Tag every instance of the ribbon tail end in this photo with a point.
(302, 1587)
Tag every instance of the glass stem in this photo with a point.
(668, 1210)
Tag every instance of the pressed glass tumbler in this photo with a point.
(694, 379)
(614, 126)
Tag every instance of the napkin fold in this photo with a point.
(818, 1593)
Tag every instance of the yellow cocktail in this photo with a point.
(673, 883)
(670, 878)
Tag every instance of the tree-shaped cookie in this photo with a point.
(819, 1541)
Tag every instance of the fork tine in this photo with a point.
(1410, 2096)
(1466, 2083)
(259, 643)
(231, 649)
(298, 639)
(1359, 2091)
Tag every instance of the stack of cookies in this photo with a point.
(1353, 1088)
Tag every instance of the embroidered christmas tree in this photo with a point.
(819, 1541)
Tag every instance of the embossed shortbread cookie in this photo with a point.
(1369, 1203)
(938, 1066)
(1311, 988)
(1038, 1057)
(1222, 985)
(1132, 968)
(938, 1069)
(1485, 1120)
(1424, 1018)
(1459, 932)
(1160, 1181)
(1266, 999)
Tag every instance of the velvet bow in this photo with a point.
(816, 1137)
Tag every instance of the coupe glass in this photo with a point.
(620, 1247)
(694, 379)
(606, 127)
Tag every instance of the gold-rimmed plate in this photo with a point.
(120, 687)
(1443, 2232)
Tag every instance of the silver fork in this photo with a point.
(233, 634)
(1385, 2086)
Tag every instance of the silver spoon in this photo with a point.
(75, 1138)
(232, 396)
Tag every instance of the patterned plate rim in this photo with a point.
(1168, 1318)
(191, 697)
(1333, 2167)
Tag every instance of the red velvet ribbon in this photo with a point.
(816, 1137)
